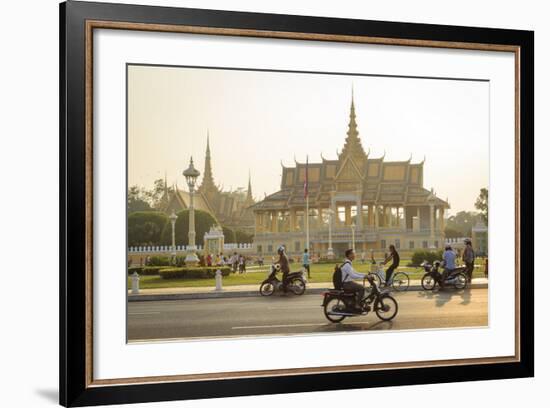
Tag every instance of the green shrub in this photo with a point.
(133, 269)
(192, 272)
(152, 270)
(159, 261)
(420, 256)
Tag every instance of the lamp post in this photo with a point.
(173, 218)
(353, 236)
(330, 251)
(191, 176)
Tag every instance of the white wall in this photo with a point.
(29, 179)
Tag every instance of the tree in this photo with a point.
(136, 200)
(462, 222)
(452, 233)
(229, 235)
(482, 204)
(242, 237)
(145, 227)
(203, 222)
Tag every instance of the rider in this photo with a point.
(283, 263)
(449, 258)
(468, 256)
(395, 263)
(348, 274)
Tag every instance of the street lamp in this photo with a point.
(173, 218)
(353, 236)
(330, 251)
(191, 176)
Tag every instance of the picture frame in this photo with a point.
(78, 20)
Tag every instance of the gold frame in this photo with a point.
(99, 24)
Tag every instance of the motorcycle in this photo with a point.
(296, 282)
(339, 304)
(433, 277)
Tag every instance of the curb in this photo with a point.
(247, 293)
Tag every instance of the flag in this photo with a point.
(306, 180)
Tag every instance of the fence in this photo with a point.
(161, 249)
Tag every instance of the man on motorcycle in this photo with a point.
(449, 258)
(468, 256)
(284, 264)
(348, 274)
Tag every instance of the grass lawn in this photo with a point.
(319, 273)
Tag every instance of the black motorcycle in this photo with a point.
(339, 304)
(433, 277)
(296, 282)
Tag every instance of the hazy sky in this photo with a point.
(258, 119)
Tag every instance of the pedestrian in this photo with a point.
(241, 263)
(234, 262)
(209, 260)
(363, 257)
(487, 267)
(468, 256)
(305, 262)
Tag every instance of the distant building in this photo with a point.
(386, 201)
(229, 208)
(480, 238)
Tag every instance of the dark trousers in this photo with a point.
(469, 270)
(306, 267)
(359, 290)
(389, 273)
(285, 281)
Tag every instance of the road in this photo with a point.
(279, 315)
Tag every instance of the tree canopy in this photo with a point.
(203, 222)
(482, 204)
(145, 227)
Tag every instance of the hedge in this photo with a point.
(146, 270)
(193, 272)
(420, 256)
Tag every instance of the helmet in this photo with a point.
(281, 249)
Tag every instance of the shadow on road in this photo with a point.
(442, 297)
(354, 326)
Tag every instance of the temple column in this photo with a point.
(348, 214)
(257, 223)
(442, 219)
(274, 221)
(432, 216)
(334, 210)
(292, 226)
(359, 205)
(376, 224)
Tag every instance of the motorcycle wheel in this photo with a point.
(461, 281)
(400, 281)
(298, 286)
(428, 282)
(333, 305)
(267, 289)
(386, 308)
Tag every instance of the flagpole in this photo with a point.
(306, 192)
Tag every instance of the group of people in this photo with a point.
(349, 274)
(449, 260)
(237, 262)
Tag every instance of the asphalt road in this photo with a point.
(279, 315)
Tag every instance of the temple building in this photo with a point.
(355, 200)
(230, 208)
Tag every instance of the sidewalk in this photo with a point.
(249, 290)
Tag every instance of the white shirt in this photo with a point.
(348, 273)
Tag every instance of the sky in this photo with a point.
(258, 120)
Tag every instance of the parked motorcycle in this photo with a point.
(433, 277)
(296, 282)
(339, 304)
